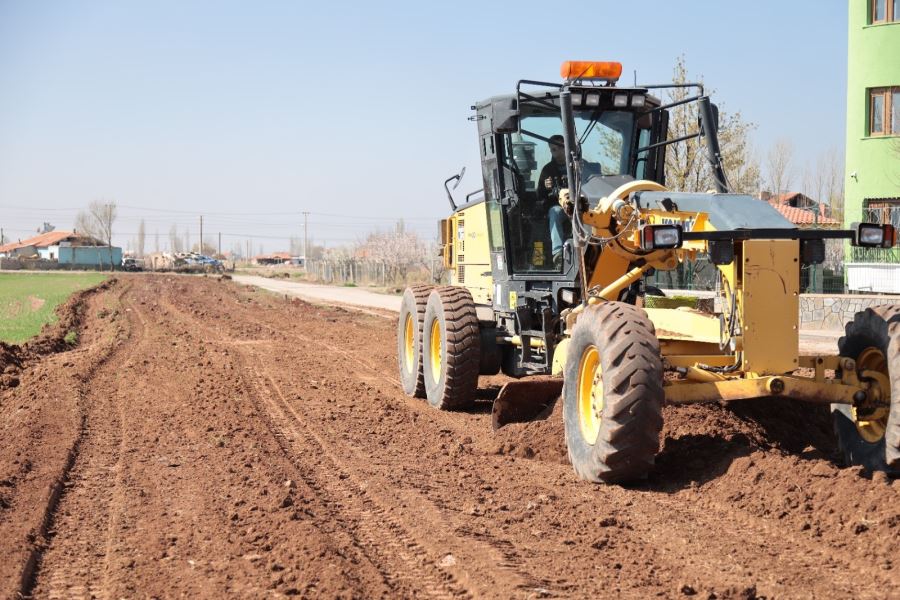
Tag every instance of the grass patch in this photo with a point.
(28, 300)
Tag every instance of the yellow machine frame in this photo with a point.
(761, 294)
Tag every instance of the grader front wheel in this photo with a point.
(613, 394)
(868, 433)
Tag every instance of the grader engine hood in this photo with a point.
(725, 211)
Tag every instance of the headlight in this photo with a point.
(659, 237)
(871, 235)
(592, 99)
(620, 100)
(577, 98)
(638, 100)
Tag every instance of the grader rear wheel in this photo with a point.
(868, 433)
(409, 339)
(613, 394)
(451, 348)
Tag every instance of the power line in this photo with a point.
(224, 214)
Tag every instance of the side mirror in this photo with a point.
(708, 113)
(455, 179)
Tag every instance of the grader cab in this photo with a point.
(546, 278)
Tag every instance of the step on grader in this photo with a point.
(547, 275)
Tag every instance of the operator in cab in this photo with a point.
(552, 179)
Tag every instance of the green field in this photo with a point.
(28, 300)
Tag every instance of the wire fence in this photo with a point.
(359, 272)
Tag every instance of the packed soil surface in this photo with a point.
(207, 440)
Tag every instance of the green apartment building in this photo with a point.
(872, 184)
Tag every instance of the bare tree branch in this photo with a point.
(686, 166)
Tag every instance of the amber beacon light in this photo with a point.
(583, 69)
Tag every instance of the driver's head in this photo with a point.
(557, 149)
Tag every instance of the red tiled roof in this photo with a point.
(802, 216)
(39, 241)
(784, 198)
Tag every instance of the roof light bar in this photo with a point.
(583, 69)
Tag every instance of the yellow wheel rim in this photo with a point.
(435, 350)
(408, 346)
(871, 419)
(590, 394)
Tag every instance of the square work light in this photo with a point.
(661, 237)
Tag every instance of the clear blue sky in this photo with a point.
(353, 111)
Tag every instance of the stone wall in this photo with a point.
(831, 312)
(827, 312)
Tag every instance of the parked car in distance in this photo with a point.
(132, 264)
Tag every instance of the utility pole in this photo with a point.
(201, 234)
(305, 236)
(220, 243)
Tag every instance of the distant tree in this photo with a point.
(398, 250)
(174, 240)
(295, 246)
(207, 249)
(156, 241)
(779, 167)
(140, 239)
(97, 222)
(823, 182)
(687, 167)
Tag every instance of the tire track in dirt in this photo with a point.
(677, 536)
(385, 541)
(760, 539)
(375, 497)
(379, 537)
(46, 531)
(69, 566)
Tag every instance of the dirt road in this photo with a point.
(208, 440)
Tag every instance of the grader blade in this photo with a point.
(522, 401)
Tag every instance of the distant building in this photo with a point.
(276, 258)
(802, 211)
(872, 181)
(64, 247)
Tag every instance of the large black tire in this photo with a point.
(620, 340)
(409, 339)
(451, 348)
(873, 340)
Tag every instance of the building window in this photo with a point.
(884, 11)
(882, 211)
(884, 111)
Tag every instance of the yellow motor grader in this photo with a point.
(547, 270)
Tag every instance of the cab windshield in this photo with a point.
(534, 156)
(605, 140)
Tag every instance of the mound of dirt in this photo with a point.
(543, 440)
(10, 365)
(52, 338)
